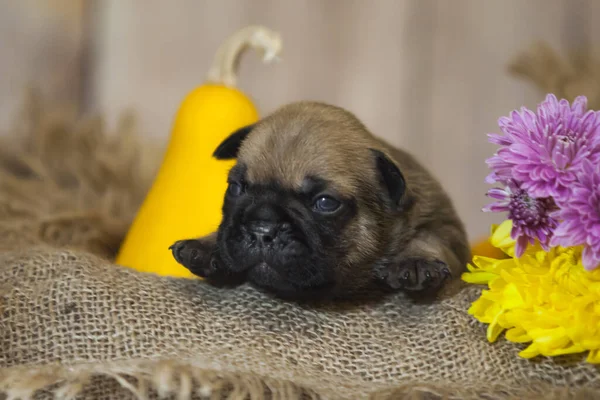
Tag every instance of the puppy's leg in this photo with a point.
(201, 257)
(425, 265)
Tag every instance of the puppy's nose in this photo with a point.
(265, 212)
(264, 231)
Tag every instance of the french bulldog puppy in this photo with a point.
(317, 206)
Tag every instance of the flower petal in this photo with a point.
(496, 193)
(589, 260)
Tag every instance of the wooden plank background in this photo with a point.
(429, 75)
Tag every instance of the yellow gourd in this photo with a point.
(186, 196)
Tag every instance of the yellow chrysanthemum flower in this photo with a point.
(545, 298)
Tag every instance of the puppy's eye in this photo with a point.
(235, 189)
(326, 204)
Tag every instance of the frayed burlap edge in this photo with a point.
(143, 379)
(146, 379)
(68, 181)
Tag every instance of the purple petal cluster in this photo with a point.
(581, 216)
(545, 164)
(532, 219)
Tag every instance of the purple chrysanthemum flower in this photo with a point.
(531, 217)
(515, 126)
(544, 151)
(580, 216)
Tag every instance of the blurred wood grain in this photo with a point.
(42, 43)
(429, 75)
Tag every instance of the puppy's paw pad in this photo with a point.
(192, 254)
(178, 251)
(417, 274)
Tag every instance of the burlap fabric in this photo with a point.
(76, 326)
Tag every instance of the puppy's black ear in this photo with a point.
(391, 177)
(228, 149)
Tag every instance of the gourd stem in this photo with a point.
(225, 64)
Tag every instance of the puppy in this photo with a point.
(318, 206)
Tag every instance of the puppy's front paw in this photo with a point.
(415, 274)
(195, 255)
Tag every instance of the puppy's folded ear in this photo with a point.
(228, 149)
(391, 177)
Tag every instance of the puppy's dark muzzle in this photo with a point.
(263, 232)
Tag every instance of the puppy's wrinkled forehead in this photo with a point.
(308, 140)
